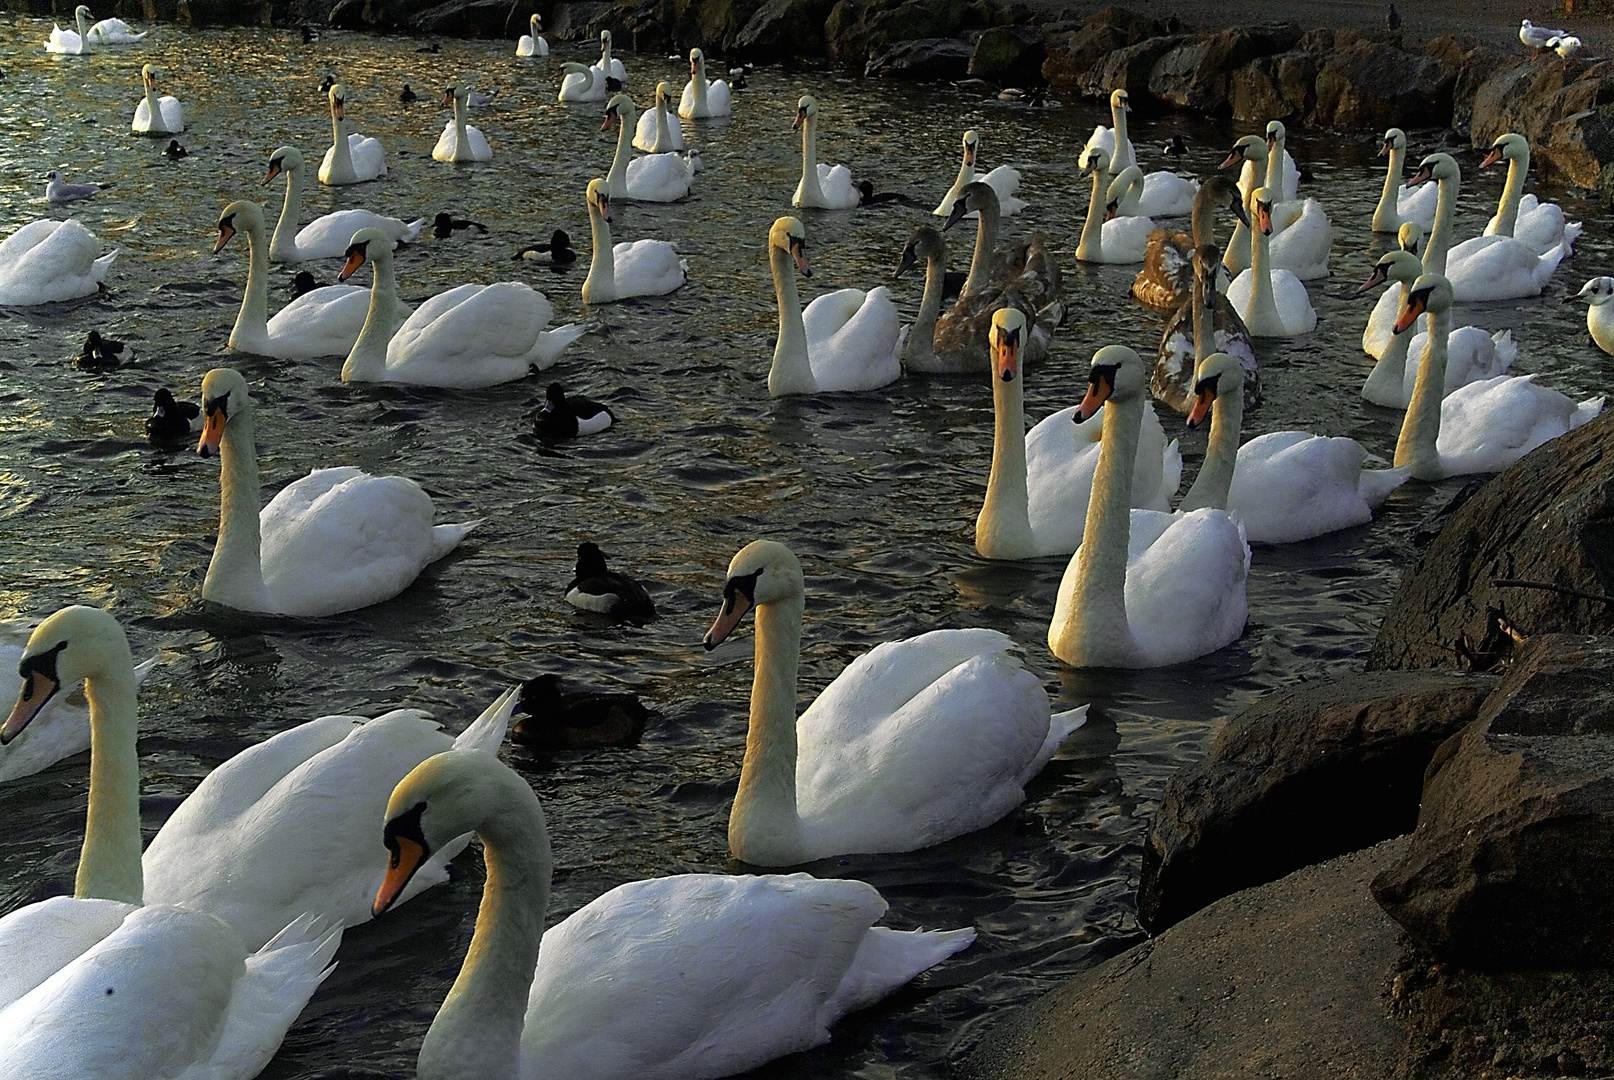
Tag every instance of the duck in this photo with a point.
(1480, 428)
(99, 984)
(558, 247)
(1115, 143)
(470, 336)
(702, 99)
(576, 721)
(445, 225)
(1167, 278)
(659, 131)
(303, 283)
(1486, 267)
(327, 236)
(652, 178)
(763, 964)
(631, 268)
(533, 42)
(154, 115)
(1206, 324)
(1145, 589)
(914, 743)
(1175, 148)
(868, 197)
(1284, 486)
(1003, 180)
(1536, 37)
(1271, 301)
(171, 421)
(70, 42)
(1399, 203)
(326, 83)
(1596, 294)
(309, 34)
(407, 95)
(826, 187)
(565, 417)
(582, 83)
(48, 261)
(460, 141)
(60, 191)
(1539, 226)
(102, 354)
(352, 158)
(597, 589)
(1472, 354)
(434, 48)
(175, 151)
(847, 340)
(1036, 494)
(1116, 240)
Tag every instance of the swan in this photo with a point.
(1284, 486)
(608, 66)
(914, 743)
(459, 141)
(845, 340)
(919, 340)
(1003, 180)
(1399, 203)
(68, 42)
(1380, 329)
(1206, 324)
(323, 322)
(1539, 226)
(1117, 240)
(1302, 235)
(470, 336)
(674, 978)
(1272, 302)
(1472, 354)
(632, 268)
(652, 178)
(115, 32)
(46, 261)
(1486, 267)
(1115, 143)
(701, 98)
(533, 42)
(327, 236)
(582, 84)
(153, 115)
(659, 131)
(1165, 194)
(1479, 428)
(336, 540)
(352, 158)
(1255, 153)
(1037, 492)
(1167, 278)
(1145, 589)
(1596, 294)
(826, 187)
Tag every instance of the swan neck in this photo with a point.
(342, 154)
(367, 360)
(1003, 529)
(251, 331)
(1420, 431)
(1123, 143)
(986, 240)
(1274, 181)
(154, 106)
(462, 146)
(1200, 224)
(1439, 242)
(1090, 248)
(1204, 325)
(663, 132)
(700, 85)
(600, 285)
(1387, 215)
(764, 827)
(1263, 305)
(1215, 477)
(1387, 381)
(109, 862)
(811, 193)
(792, 372)
(922, 338)
(283, 245)
(235, 576)
(616, 181)
(1507, 211)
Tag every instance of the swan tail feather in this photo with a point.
(412, 230)
(267, 998)
(446, 538)
(99, 268)
(487, 731)
(1375, 485)
(887, 959)
(1507, 350)
(1060, 726)
(551, 343)
(1572, 231)
(1584, 411)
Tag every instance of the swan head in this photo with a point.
(1249, 148)
(1510, 147)
(806, 112)
(1207, 272)
(338, 96)
(1005, 340)
(453, 95)
(971, 141)
(1277, 134)
(605, 39)
(1436, 167)
(1596, 292)
(148, 76)
(287, 159)
(600, 199)
(1120, 99)
(241, 215)
(224, 395)
(74, 644)
(1402, 266)
(977, 196)
(697, 60)
(620, 107)
(1394, 139)
(1217, 375)
(664, 93)
(1116, 375)
(536, 22)
(1219, 188)
(1094, 160)
(763, 572)
(1410, 236)
(1119, 186)
(82, 12)
(923, 243)
(367, 245)
(789, 235)
(1261, 210)
(1431, 292)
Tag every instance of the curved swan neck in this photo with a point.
(109, 862)
(986, 240)
(235, 576)
(922, 338)
(1263, 311)
(764, 826)
(1420, 431)
(1215, 477)
(1507, 211)
(251, 330)
(600, 285)
(1387, 215)
(792, 372)
(1003, 529)
(616, 181)
(1439, 242)
(811, 193)
(283, 245)
(367, 360)
(1090, 248)
(462, 146)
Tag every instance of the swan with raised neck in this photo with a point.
(367, 360)
(82, 16)
(1443, 170)
(1420, 430)
(157, 124)
(1386, 383)
(625, 114)
(283, 244)
(251, 330)
(1261, 318)
(700, 106)
(1516, 150)
(919, 351)
(458, 98)
(600, 285)
(792, 371)
(1387, 214)
(235, 574)
(1251, 148)
(1003, 527)
(981, 199)
(341, 170)
(1090, 247)
(1219, 393)
(809, 192)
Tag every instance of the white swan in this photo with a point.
(631, 268)
(659, 131)
(1254, 152)
(69, 42)
(652, 178)
(470, 336)
(914, 743)
(1114, 141)
(845, 340)
(46, 261)
(1116, 240)
(459, 141)
(1380, 329)
(1003, 180)
(1302, 235)
(352, 158)
(1145, 589)
(1539, 226)
(1272, 302)
(154, 115)
(533, 42)
(1596, 295)
(115, 32)
(608, 65)
(336, 540)
(581, 84)
(1484, 426)
(702, 98)
(1284, 486)
(676, 978)
(327, 236)
(826, 187)
(1399, 203)
(1036, 495)
(1486, 267)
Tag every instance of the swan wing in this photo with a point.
(1005, 181)
(1294, 304)
(473, 335)
(369, 158)
(1498, 268)
(1185, 584)
(835, 181)
(1488, 425)
(1418, 204)
(1061, 459)
(1380, 329)
(658, 178)
(65, 42)
(321, 322)
(648, 268)
(860, 353)
(328, 236)
(40, 939)
(1292, 485)
(1165, 194)
(46, 261)
(1302, 248)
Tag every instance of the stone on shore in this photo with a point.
(1128, 69)
(1195, 74)
(1008, 56)
(927, 58)
(1073, 53)
(1368, 85)
(780, 29)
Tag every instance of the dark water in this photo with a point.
(877, 493)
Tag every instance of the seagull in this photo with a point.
(60, 191)
(1537, 36)
(175, 151)
(1566, 45)
(480, 101)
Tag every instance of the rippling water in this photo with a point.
(877, 493)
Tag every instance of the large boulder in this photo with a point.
(1195, 74)
(1526, 98)
(1549, 519)
(1071, 54)
(463, 18)
(1300, 777)
(1580, 149)
(780, 29)
(1375, 86)
(1512, 863)
(1274, 88)
(858, 31)
(704, 23)
(1008, 56)
(1474, 63)
(1128, 69)
(925, 59)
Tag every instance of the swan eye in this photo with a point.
(220, 405)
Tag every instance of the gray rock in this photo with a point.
(783, 28)
(1128, 69)
(1374, 86)
(855, 32)
(1071, 54)
(1195, 74)
(927, 58)
(463, 18)
(1274, 88)
(1580, 149)
(1008, 56)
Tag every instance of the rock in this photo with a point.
(1300, 777)
(575, 20)
(1008, 57)
(1274, 88)
(690, 23)
(463, 18)
(927, 58)
(1512, 864)
(1580, 149)
(199, 13)
(1194, 75)
(1372, 86)
(1548, 519)
(780, 29)
(1522, 98)
(1072, 53)
(1128, 69)
(855, 32)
